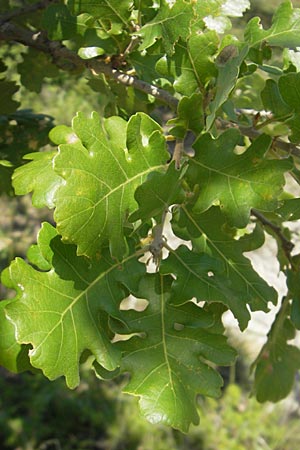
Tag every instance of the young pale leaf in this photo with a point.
(237, 182)
(284, 32)
(169, 363)
(63, 312)
(13, 356)
(277, 364)
(38, 176)
(102, 170)
(169, 24)
(243, 286)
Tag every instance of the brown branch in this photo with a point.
(286, 244)
(178, 152)
(67, 59)
(252, 133)
(43, 4)
(97, 67)
(287, 147)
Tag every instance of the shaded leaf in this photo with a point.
(209, 235)
(289, 87)
(284, 32)
(190, 116)
(109, 12)
(170, 364)
(277, 363)
(169, 24)
(60, 23)
(21, 132)
(205, 278)
(293, 284)
(191, 66)
(160, 190)
(7, 90)
(273, 101)
(290, 210)
(228, 71)
(34, 68)
(237, 182)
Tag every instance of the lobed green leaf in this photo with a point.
(237, 182)
(284, 31)
(210, 235)
(171, 361)
(62, 312)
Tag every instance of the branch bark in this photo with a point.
(286, 245)
(252, 133)
(67, 59)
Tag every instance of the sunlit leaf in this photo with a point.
(13, 356)
(63, 311)
(101, 171)
(170, 362)
(39, 177)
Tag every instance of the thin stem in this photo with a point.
(158, 241)
(178, 152)
(271, 120)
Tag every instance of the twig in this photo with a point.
(253, 133)
(178, 152)
(100, 67)
(287, 245)
(67, 59)
(287, 147)
(158, 241)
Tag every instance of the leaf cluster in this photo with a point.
(117, 190)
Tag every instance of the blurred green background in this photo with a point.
(36, 414)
